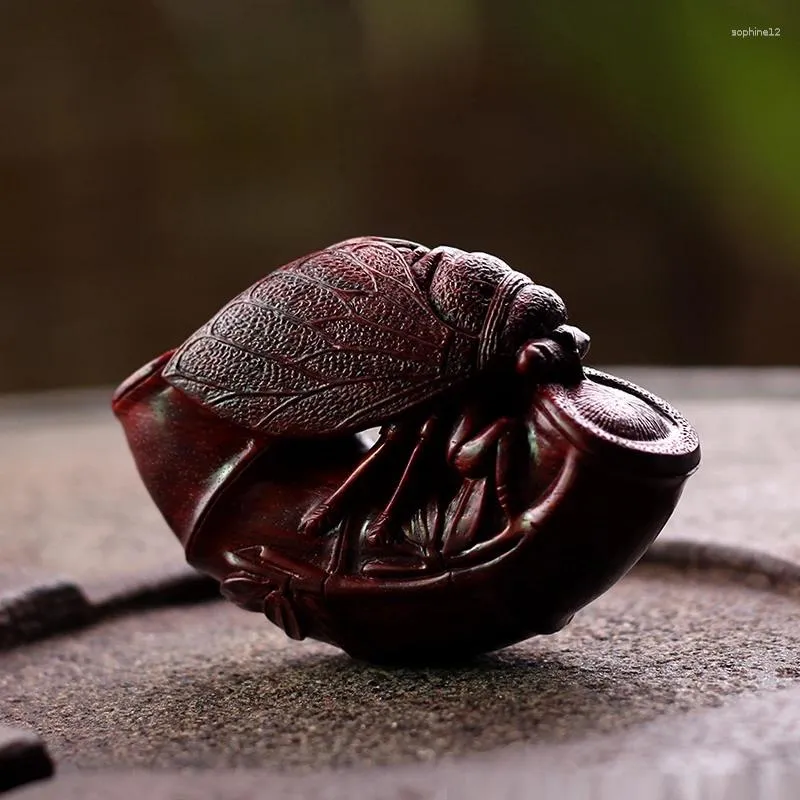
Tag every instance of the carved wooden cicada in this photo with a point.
(506, 488)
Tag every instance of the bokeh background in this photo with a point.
(157, 157)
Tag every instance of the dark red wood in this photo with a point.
(359, 333)
(508, 488)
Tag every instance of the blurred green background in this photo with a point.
(158, 157)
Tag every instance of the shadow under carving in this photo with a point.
(331, 711)
(658, 645)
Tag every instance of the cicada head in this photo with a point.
(481, 295)
(535, 311)
(520, 312)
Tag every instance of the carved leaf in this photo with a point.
(246, 590)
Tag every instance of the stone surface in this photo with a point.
(725, 779)
(714, 383)
(211, 686)
(683, 681)
(72, 503)
(743, 494)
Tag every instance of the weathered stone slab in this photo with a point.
(680, 683)
(213, 687)
(745, 492)
(78, 533)
(72, 503)
(720, 384)
(467, 782)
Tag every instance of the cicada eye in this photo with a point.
(535, 313)
(547, 307)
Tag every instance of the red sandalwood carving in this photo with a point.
(508, 486)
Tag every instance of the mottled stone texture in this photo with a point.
(682, 680)
(210, 686)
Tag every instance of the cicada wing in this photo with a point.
(335, 342)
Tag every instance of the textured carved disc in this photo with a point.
(625, 423)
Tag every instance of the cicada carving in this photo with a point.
(507, 485)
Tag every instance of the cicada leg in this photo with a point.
(380, 528)
(513, 467)
(504, 441)
(330, 512)
(471, 453)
